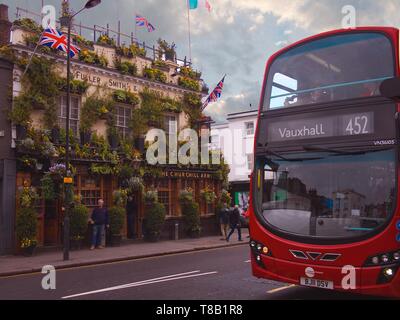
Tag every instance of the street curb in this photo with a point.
(113, 260)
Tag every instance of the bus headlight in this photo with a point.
(387, 274)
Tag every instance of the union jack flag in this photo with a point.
(142, 21)
(216, 94)
(55, 39)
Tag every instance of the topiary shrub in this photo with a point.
(154, 221)
(190, 212)
(191, 218)
(116, 218)
(78, 216)
(26, 226)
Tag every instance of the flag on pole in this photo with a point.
(215, 94)
(193, 4)
(55, 39)
(143, 22)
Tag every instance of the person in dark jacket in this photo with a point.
(234, 222)
(224, 221)
(99, 220)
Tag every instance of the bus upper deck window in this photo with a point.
(282, 88)
(334, 68)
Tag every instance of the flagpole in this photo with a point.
(34, 52)
(190, 40)
(136, 38)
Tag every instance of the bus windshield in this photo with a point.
(328, 194)
(331, 69)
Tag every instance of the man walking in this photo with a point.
(234, 221)
(99, 220)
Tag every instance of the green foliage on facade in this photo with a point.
(126, 97)
(155, 74)
(126, 67)
(188, 83)
(40, 92)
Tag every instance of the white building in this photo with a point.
(235, 138)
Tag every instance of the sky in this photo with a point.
(236, 38)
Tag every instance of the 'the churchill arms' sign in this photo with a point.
(322, 127)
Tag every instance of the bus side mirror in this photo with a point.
(390, 89)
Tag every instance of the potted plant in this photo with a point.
(208, 195)
(154, 221)
(190, 212)
(117, 217)
(26, 220)
(168, 50)
(79, 216)
(49, 192)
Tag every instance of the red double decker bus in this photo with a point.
(325, 192)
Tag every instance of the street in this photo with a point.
(217, 274)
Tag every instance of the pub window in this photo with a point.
(74, 113)
(250, 162)
(123, 116)
(90, 191)
(249, 128)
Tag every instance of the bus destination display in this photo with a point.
(322, 127)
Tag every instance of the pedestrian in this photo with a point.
(99, 220)
(224, 220)
(234, 222)
(131, 213)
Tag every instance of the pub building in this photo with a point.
(125, 80)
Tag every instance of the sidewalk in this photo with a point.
(15, 265)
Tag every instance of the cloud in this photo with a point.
(236, 38)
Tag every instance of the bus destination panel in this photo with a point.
(321, 127)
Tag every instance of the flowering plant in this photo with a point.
(28, 144)
(208, 195)
(186, 195)
(58, 169)
(26, 243)
(151, 196)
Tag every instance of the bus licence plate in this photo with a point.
(316, 283)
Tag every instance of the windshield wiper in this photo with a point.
(346, 153)
(338, 152)
(291, 160)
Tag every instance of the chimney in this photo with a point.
(5, 25)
